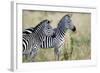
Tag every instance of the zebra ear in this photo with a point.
(70, 14)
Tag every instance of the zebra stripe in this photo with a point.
(31, 42)
(57, 39)
(28, 31)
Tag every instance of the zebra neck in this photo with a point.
(62, 31)
(40, 35)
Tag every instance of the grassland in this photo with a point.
(77, 45)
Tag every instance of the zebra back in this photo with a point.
(28, 31)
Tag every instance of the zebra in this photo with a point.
(56, 41)
(28, 31)
(32, 42)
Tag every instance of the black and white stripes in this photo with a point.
(57, 39)
(32, 42)
(28, 31)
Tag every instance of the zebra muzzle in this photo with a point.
(74, 29)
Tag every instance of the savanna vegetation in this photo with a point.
(77, 46)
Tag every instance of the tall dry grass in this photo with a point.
(77, 45)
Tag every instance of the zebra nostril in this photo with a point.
(48, 21)
(74, 29)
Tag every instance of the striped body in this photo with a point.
(32, 42)
(57, 39)
(53, 41)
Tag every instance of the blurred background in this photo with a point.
(77, 46)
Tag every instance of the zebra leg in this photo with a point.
(26, 55)
(57, 53)
(33, 54)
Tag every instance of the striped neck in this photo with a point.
(61, 31)
(39, 32)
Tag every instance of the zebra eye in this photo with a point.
(48, 28)
(48, 22)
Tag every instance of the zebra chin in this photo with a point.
(74, 29)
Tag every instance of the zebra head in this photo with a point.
(48, 30)
(67, 23)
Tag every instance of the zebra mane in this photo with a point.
(62, 19)
(40, 24)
